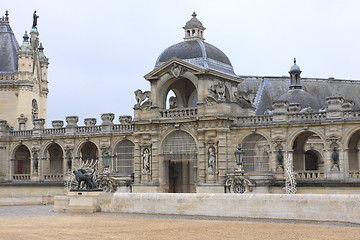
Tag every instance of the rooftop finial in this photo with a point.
(294, 61)
(194, 14)
(6, 15)
(26, 37)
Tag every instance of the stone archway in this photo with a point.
(354, 153)
(180, 155)
(307, 149)
(22, 161)
(56, 164)
(185, 94)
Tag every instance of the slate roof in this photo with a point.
(269, 89)
(8, 48)
(198, 53)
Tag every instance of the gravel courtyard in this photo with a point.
(39, 222)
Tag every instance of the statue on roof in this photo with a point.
(35, 17)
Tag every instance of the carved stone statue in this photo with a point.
(35, 17)
(140, 97)
(280, 158)
(216, 93)
(35, 162)
(212, 159)
(146, 160)
(173, 102)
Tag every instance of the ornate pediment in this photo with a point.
(175, 67)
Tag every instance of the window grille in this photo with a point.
(179, 146)
(124, 157)
(256, 157)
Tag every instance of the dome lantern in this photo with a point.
(295, 79)
(194, 29)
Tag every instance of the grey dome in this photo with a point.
(295, 68)
(8, 48)
(199, 53)
(301, 97)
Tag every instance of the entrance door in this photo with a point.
(179, 177)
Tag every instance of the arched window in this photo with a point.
(124, 157)
(88, 152)
(256, 156)
(35, 109)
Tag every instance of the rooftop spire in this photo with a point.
(6, 18)
(294, 61)
(6, 15)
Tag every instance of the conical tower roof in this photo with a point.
(8, 47)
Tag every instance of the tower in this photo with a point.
(23, 77)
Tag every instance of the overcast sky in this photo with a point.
(100, 50)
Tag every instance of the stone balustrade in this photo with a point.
(54, 177)
(54, 131)
(303, 117)
(178, 112)
(354, 174)
(119, 128)
(256, 120)
(21, 133)
(89, 129)
(355, 114)
(21, 177)
(309, 175)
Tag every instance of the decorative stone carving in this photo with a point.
(216, 93)
(238, 183)
(294, 108)
(107, 119)
(90, 122)
(125, 119)
(176, 70)
(142, 98)
(57, 123)
(39, 123)
(72, 121)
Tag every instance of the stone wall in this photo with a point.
(318, 207)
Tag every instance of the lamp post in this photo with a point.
(239, 158)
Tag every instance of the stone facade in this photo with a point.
(186, 129)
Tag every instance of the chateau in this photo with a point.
(201, 128)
